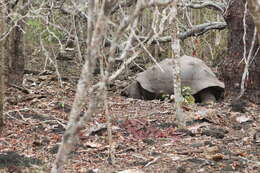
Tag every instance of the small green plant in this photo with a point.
(62, 104)
(187, 95)
(164, 96)
(49, 34)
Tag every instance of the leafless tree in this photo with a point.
(247, 56)
(241, 35)
(110, 34)
(13, 15)
(85, 85)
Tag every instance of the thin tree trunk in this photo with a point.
(247, 56)
(76, 122)
(2, 56)
(254, 8)
(176, 68)
(14, 45)
(1, 91)
(233, 66)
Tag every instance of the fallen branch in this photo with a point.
(152, 161)
(24, 90)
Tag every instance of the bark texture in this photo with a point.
(232, 69)
(2, 55)
(15, 61)
(14, 47)
(180, 116)
(254, 7)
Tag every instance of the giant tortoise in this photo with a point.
(158, 80)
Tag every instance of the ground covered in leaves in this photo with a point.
(218, 138)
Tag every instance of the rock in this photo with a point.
(257, 137)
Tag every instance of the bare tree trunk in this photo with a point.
(176, 68)
(254, 7)
(1, 89)
(76, 122)
(247, 56)
(2, 56)
(233, 67)
(14, 45)
(86, 87)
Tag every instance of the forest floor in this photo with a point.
(145, 137)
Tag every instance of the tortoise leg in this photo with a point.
(207, 96)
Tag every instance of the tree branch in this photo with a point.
(208, 4)
(194, 31)
(202, 28)
(128, 3)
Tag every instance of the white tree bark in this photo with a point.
(176, 69)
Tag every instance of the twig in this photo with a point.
(208, 4)
(26, 91)
(246, 58)
(152, 162)
(21, 115)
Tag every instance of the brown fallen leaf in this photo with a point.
(215, 157)
(93, 145)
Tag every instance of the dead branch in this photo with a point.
(24, 90)
(141, 5)
(202, 28)
(124, 4)
(207, 4)
(68, 10)
(195, 31)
